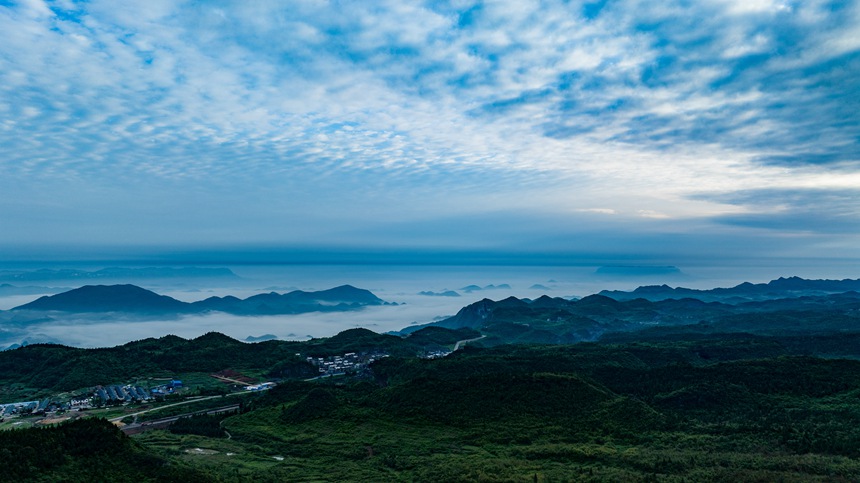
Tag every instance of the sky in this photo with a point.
(627, 130)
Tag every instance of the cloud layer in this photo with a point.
(390, 123)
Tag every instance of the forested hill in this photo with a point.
(560, 321)
(52, 367)
(134, 299)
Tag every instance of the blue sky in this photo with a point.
(631, 129)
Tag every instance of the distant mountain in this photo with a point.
(745, 292)
(261, 338)
(116, 273)
(134, 299)
(476, 288)
(107, 298)
(637, 270)
(345, 297)
(444, 293)
(8, 289)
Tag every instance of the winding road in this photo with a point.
(466, 341)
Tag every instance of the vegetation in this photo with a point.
(86, 450)
(208, 425)
(50, 368)
(740, 395)
(703, 410)
(630, 412)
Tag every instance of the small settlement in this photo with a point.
(100, 396)
(348, 363)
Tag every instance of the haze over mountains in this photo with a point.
(116, 273)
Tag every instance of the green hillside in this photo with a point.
(616, 413)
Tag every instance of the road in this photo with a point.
(228, 379)
(466, 341)
(187, 401)
(163, 423)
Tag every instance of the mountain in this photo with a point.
(134, 299)
(345, 297)
(745, 292)
(261, 338)
(444, 293)
(476, 288)
(553, 320)
(107, 298)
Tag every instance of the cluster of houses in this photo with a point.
(165, 389)
(349, 362)
(260, 387)
(121, 393)
(23, 407)
(105, 394)
(437, 354)
(129, 393)
(32, 407)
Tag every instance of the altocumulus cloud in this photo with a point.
(283, 121)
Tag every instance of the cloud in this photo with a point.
(300, 123)
(796, 210)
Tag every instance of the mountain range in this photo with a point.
(745, 292)
(549, 320)
(134, 299)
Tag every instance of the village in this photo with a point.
(349, 363)
(51, 409)
(99, 396)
